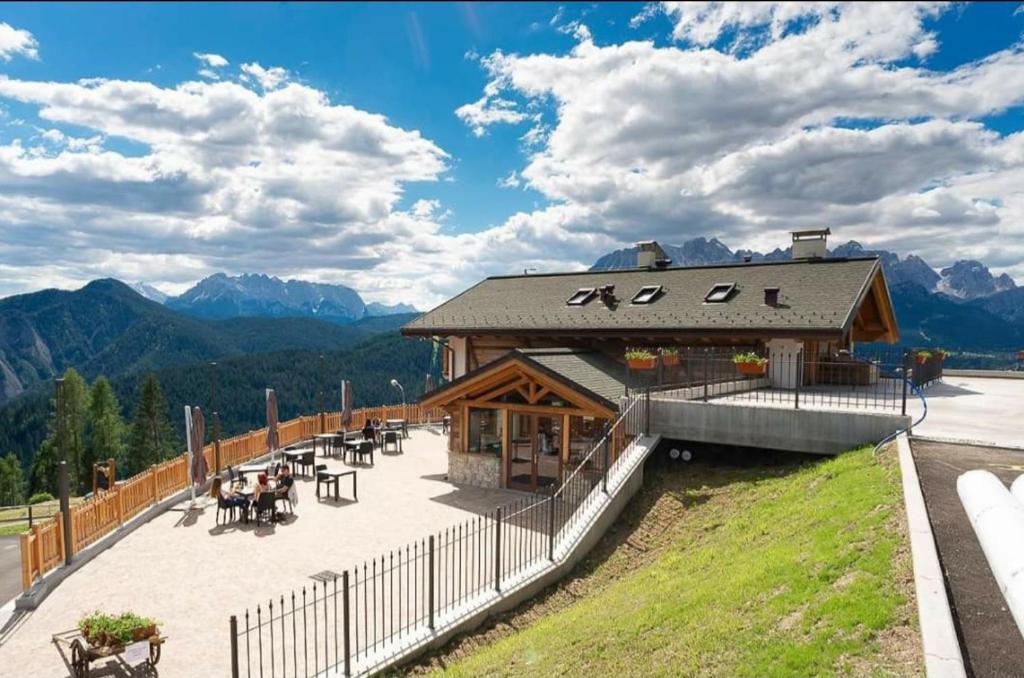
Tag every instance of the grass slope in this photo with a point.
(787, 570)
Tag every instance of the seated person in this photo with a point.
(230, 498)
(262, 485)
(285, 479)
(368, 430)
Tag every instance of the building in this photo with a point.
(535, 364)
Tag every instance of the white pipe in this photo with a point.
(1017, 489)
(998, 521)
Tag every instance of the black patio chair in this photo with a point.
(266, 504)
(364, 448)
(306, 461)
(393, 439)
(222, 505)
(322, 478)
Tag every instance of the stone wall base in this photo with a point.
(479, 470)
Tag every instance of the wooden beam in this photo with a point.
(540, 409)
(539, 394)
(501, 390)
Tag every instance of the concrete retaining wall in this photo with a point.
(813, 431)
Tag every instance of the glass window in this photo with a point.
(484, 431)
(581, 296)
(584, 434)
(647, 294)
(720, 293)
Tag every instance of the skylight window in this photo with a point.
(647, 294)
(720, 293)
(581, 296)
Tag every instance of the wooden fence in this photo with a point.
(42, 547)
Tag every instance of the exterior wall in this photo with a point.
(783, 369)
(458, 364)
(479, 470)
(811, 431)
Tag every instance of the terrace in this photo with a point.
(192, 573)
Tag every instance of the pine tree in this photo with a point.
(152, 437)
(43, 474)
(12, 484)
(106, 430)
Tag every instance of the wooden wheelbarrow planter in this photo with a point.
(82, 653)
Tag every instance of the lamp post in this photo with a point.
(216, 417)
(320, 398)
(394, 382)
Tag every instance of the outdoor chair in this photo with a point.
(306, 461)
(363, 449)
(392, 438)
(322, 478)
(282, 496)
(265, 505)
(222, 505)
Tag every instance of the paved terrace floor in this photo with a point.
(192, 575)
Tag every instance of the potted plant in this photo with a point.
(941, 353)
(639, 359)
(669, 355)
(750, 363)
(106, 630)
(923, 357)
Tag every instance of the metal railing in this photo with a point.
(370, 613)
(790, 379)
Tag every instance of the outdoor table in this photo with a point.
(335, 475)
(253, 468)
(399, 425)
(330, 441)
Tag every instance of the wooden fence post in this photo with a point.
(26, 560)
(60, 530)
(152, 483)
(37, 551)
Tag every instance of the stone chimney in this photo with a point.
(811, 244)
(650, 255)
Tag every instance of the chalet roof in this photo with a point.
(591, 374)
(815, 296)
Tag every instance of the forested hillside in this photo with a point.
(297, 377)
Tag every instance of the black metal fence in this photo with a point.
(791, 378)
(366, 614)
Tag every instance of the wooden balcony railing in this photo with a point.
(42, 547)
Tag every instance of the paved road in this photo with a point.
(973, 409)
(10, 568)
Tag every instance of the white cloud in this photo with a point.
(17, 42)
(211, 60)
(510, 180)
(770, 116)
(268, 78)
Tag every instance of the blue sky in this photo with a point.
(595, 125)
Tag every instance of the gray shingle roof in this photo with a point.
(594, 372)
(814, 295)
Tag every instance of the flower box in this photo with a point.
(641, 363)
(752, 369)
(670, 359)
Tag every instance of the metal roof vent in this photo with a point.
(771, 296)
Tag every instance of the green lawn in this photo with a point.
(785, 570)
(15, 520)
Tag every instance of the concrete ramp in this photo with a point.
(809, 431)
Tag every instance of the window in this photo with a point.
(720, 293)
(647, 294)
(484, 431)
(582, 296)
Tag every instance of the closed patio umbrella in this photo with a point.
(346, 403)
(272, 438)
(199, 468)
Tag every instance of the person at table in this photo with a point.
(368, 430)
(285, 479)
(231, 498)
(262, 485)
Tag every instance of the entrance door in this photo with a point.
(535, 459)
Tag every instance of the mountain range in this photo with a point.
(108, 328)
(221, 296)
(959, 306)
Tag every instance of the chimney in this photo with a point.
(810, 244)
(771, 296)
(650, 255)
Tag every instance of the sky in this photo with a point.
(409, 150)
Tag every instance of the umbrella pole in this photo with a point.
(188, 437)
